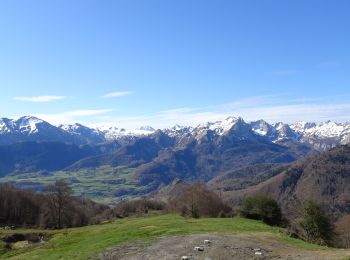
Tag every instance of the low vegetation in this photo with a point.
(315, 224)
(139, 207)
(197, 201)
(263, 208)
(55, 208)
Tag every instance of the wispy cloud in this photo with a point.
(269, 108)
(40, 99)
(272, 108)
(73, 116)
(117, 94)
(87, 112)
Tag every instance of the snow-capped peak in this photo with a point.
(147, 128)
(177, 127)
(278, 126)
(321, 135)
(261, 127)
(113, 132)
(326, 129)
(302, 126)
(220, 127)
(70, 127)
(79, 129)
(179, 131)
(28, 124)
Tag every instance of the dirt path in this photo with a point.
(222, 247)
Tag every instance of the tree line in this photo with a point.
(58, 208)
(313, 225)
(55, 208)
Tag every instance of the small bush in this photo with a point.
(133, 207)
(263, 208)
(315, 224)
(222, 214)
(197, 201)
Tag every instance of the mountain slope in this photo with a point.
(219, 153)
(30, 129)
(45, 156)
(324, 178)
(210, 152)
(83, 134)
(136, 152)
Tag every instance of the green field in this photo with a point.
(104, 184)
(82, 243)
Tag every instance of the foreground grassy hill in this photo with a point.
(87, 242)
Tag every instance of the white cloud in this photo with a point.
(74, 116)
(117, 94)
(87, 112)
(40, 99)
(270, 108)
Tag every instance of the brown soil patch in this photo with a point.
(222, 247)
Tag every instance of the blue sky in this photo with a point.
(164, 62)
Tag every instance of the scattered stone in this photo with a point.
(198, 248)
(19, 245)
(224, 247)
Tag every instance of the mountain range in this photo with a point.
(321, 136)
(232, 156)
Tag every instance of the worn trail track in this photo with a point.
(222, 247)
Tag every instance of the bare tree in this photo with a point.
(52, 209)
(59, 196)
(196, 201)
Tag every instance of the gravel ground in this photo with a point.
(222, 247)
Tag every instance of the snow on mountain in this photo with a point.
(285, 132)
(29, 128)
(302, 126)
(113, 132)
(26, 125)
(78, 129)
(218, 127)
(222, 127)
(321, 136)
(147, 128)
(276, 132)
(6, 125)
(326, 129)
(29, 124)
(83, 133)
(263, 128)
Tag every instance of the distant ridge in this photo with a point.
(321, 136)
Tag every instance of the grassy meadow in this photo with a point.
(86, 242)
(105, 184)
